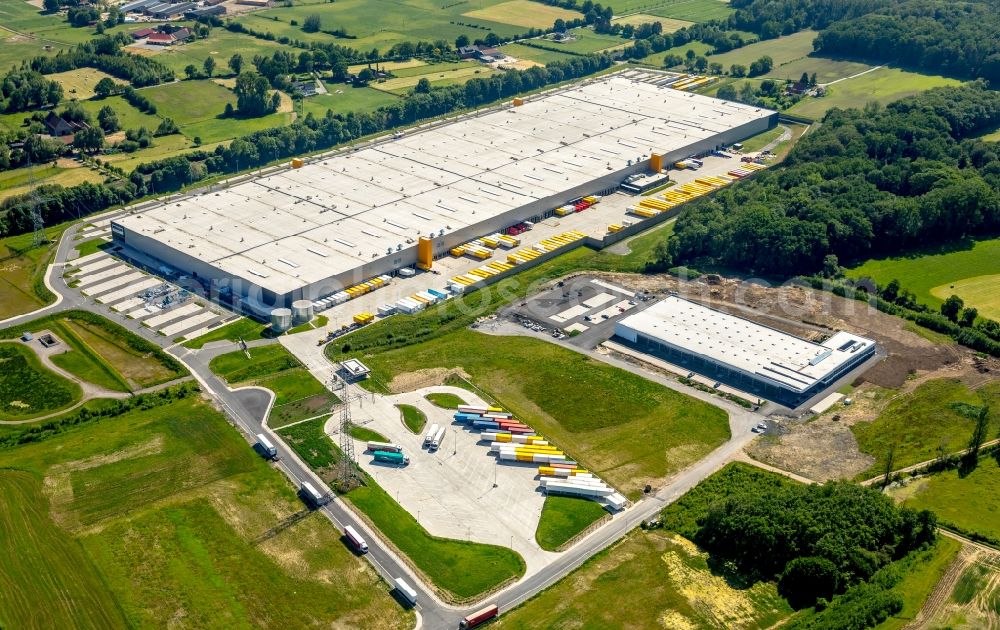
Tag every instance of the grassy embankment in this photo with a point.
(27, 388)
(445, 400)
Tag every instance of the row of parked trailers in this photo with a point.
(521, 256)
(692, 82)
(351, 292)
(512, 440)
(482, 248)
(672, 197)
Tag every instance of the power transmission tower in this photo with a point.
(38, 237)
(348, 475)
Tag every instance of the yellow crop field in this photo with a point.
(79, 84)
(669, 24)
(524, 13)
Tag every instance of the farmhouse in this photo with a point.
(740, 353)
(308, 232)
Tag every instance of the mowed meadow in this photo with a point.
(167, 513)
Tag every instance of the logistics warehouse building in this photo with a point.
(740, 353)
(308, 232)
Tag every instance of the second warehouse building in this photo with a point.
(308, 232)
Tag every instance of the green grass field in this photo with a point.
(692, 10)
(463, 569)
(437, 74)
(563, 518)
(936, 414)
(105, 353)
(530, 53)
(221, 45)
(244, 328)
(32, 546)
(445, 400)
(667, 24)
(27, 388)
(650, 579)
(413, 418)
(128, 116)
(344, 98)
(523, 13)
(587, 41)
(883, 86)
(202, 117)
(970, 503)
(383, 23)
(923, 272)
(983, 292)
(367, 435)
(656, 59)
(636, 431)
(782, 50)
(297, 393)
(22, 288)
(166, 514)
(264, 361)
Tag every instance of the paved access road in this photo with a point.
(249, 407)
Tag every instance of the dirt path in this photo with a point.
(940, 606)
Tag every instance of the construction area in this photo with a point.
(331, 224)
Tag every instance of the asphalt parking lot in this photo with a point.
(584, 308)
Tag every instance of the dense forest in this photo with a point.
(866, 183)
(833, 545)
(958, 39)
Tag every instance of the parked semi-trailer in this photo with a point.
(480, 616)
(406, 591)
(438, 438)
(391, 457)
(356, 540)
(429, 436)
(385, 446)
(269, 451)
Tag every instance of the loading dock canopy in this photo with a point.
(753, 348)
(362, 205)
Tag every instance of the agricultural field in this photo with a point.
(15, 48)
(669, 25)
(782, 50)
(79, 84)
(966, 501)
(459, 568)
(930, 274)
(638, 432)
(565, 517)
(129, 117)
(167, 513)
(668, 583)
(968, 597)
(28, 388)
(656, 59)
(692, 10)
(524, 13)
(937, 416)
(883, 85)
(383, 23)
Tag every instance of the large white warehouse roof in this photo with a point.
(795, 363)
(301, 226)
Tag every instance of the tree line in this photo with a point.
(867, 183)
(303, 136)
